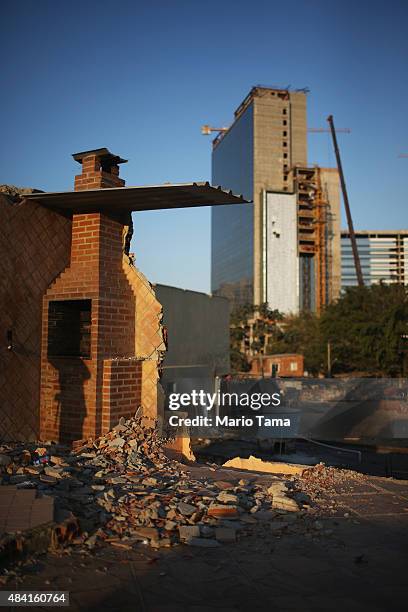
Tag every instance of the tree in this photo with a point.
(250, 332)
(301, 334)
(365, 327)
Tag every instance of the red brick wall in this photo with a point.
(34, 248)
(95, 273)
(122, 387)
(284, 365)
(93, 177)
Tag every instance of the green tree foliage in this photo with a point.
(263, 322)
(366, 327)
(301, 334)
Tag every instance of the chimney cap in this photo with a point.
(107, 158)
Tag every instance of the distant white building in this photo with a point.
(383, 257)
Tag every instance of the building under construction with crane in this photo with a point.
(284, 248)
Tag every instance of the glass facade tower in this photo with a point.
(263, 156)
(232, 226)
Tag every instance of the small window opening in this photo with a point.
(284, 133)
(285, 156)
(284, 122)
(284, 111)
(284, 144)
(69, 328)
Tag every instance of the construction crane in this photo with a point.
(322, 130)
(206, 130)
(346, 204)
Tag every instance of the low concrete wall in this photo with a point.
(198, 334)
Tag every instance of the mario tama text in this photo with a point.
(261, 420)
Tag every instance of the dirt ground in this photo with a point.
(355, 561)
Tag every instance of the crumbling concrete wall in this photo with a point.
(198, 334)
(34, 248)
(150, 345)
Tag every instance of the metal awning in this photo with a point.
(132, 199)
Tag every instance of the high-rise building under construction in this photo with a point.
(284, 248)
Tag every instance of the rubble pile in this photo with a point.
(323, 484)
(123, 489)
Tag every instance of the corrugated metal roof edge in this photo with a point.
(77, 194)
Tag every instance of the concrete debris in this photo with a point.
(186, 532)
(225, 534)
(4, 460)
(124, 490)
(280, 500)
(257, 465)
(16, 194)
(323, 480)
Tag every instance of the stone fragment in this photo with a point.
(49, 480)
(56, 460)
(49, 471)
(220, 511)
(277, 488)
(5, 460)
(285, 503)
(246, 518)
(223, 485)
(18, 478)
(150, 533)
(186, 532)
(170, 525)
(34, 470)
(25, 458)
(186, 509)
(225, 534)
(206, 531)
(227, 498)
(117, 443)
(117, 480)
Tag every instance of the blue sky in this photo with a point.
(142, 77)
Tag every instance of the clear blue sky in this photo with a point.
(141, 78)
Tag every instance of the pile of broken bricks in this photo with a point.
(123, 489)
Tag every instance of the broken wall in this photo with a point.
(34, 248)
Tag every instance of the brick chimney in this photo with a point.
(89, 320)
(100, 170)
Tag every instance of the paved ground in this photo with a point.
(360, 566)
(20, 509)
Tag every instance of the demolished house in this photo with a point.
(82, 338)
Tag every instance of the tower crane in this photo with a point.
(354, 248)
